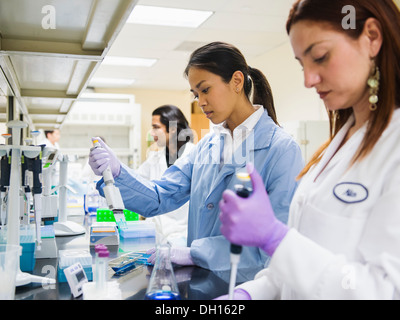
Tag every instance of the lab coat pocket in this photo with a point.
(334, 231)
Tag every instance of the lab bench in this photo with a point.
(194, 283)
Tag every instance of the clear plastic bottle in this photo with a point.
(92, 199)
(162, 284)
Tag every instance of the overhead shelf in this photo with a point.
(50, 49)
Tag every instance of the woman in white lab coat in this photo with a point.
(343, 237)
(168, 122)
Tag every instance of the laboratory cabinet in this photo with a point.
(49, 51)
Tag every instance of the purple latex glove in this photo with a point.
(238, 294)
(251, 221)
(102, 157)
(179, 255)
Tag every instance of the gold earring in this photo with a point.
(373, 83)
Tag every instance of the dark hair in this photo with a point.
(388, 59)
(47, 132)
(224, 60)
(172, 115)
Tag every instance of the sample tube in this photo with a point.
(97, 249)
(101, 272)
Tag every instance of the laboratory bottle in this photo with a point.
(162, 283)
(92, 199)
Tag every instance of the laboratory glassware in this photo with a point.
(162, 284)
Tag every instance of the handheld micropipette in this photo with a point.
(242, 191)
(112, 193)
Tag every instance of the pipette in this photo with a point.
(242, 190)
(112, 193)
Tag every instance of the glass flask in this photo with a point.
(162, 284)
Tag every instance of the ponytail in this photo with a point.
(262, 93)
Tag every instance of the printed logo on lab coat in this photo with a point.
(350, 192)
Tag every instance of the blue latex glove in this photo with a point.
(238, 294)
(102, 157)
(251, 221)
(178, 255)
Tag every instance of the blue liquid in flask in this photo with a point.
(162, 295)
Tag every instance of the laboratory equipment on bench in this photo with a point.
(76, 278)
(243, 188)
(31, 174)
(112, 193)
(68, 257)
(101, 288)
(9, 257)
(162, 284)
(104, 233)
(129, 262)
(4, 185)
(13, 209)
(64, 227)
(49, 198)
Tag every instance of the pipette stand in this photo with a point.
(64, 227)
(13, 224)
(49, 199)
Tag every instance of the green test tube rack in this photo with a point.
(106, 215)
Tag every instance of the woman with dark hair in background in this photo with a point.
(168, 123)
(238, 99)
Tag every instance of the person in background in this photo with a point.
(168, 122)
(343, 238)
(52, 138)
(239, 100)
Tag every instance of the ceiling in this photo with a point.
(49, 50)
(47, 70)
(254, 26)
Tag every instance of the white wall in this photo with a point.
(292, 100)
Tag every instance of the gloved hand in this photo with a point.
(102, 157)
(179, 255)
(238, 294)
(251, 221)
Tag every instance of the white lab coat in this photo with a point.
(50, 145)
(344, 241)
(171, 226)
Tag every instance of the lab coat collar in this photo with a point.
(262, 133)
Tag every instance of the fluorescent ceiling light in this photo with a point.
(168, 16)
(111, 82)
(128, 61)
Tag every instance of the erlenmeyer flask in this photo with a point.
(162, 284)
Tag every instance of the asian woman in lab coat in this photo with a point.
(167, 123)
(343, 236)
(238, 100)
